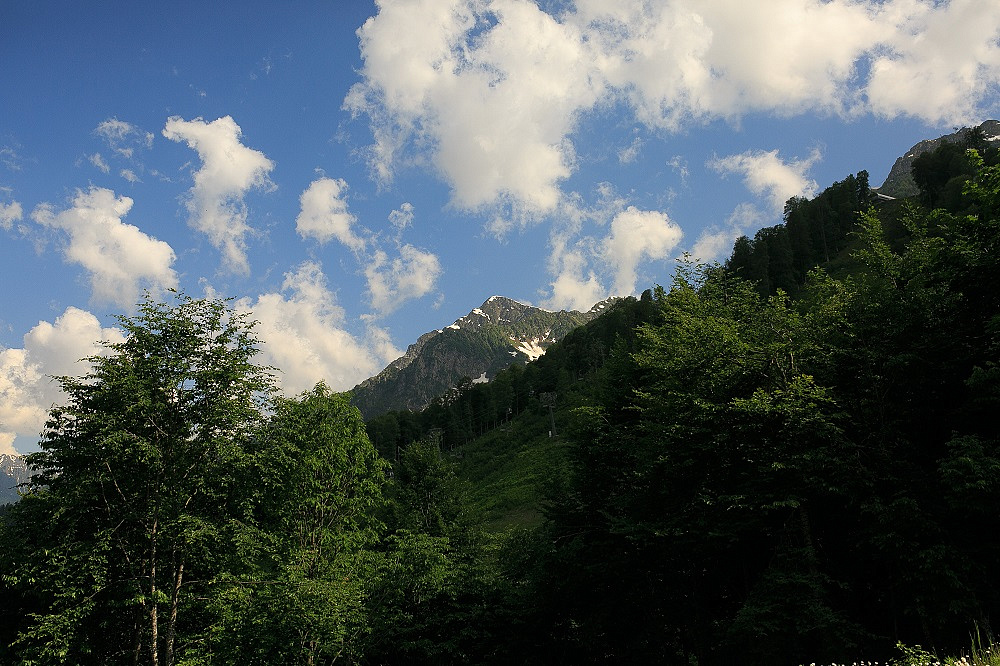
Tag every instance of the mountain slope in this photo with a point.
(13, 470)
(499, 332)
(899, 183)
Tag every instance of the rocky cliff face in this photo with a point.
(899, 183)
(499, 332)
(13, 471)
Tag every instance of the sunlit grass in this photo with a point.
(981, 653)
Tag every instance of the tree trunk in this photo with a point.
(174, 601)
(153, 617)
(137, 637)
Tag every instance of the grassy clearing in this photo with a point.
(509, 469)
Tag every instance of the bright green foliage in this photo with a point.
(321, 489)
(139, 479)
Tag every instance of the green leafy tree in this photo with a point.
(137, 481)
(439, 598)
(321, 488)
(688, 523)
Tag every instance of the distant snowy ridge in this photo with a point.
(499, 332)
(13, 471)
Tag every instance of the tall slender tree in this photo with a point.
(136, 482)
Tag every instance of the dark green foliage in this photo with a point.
(814, 233)
(438, 597)
(942, 173)
(774, 481)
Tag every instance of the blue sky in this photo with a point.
(358, 173)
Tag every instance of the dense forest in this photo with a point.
(790, 458)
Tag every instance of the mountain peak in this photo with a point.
(499, 332)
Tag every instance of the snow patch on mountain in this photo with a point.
(530, 348)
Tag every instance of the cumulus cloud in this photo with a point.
(715, 243)
(606, 244)
(9, 214)
(325, 216)
(228, 171)
(638, 235)
(304, 335)
(50, 349)
(940, 62)
(493, 88)
(767, 175)
(119, 258)
(575, 285)
(412, 274)
(490, 91)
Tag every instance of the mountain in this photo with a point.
(899, 183)
(499, 332)
(13, 470)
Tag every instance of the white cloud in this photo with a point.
(940, 63)
(574, 286)
(123, 138)
(228, 171)
(412, 274)
(638, 235)
(99, 162)
(119, 258)
(9, 214)
(604, 244)
(11, 158)
(629, 154)
(490, 91)
(402, 217)
(303, 331)
(493, 89)
(767, 175)
(715, 244)
(129, 175)
(325, 216)
(26, 389)
(698, 60)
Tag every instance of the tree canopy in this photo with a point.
(790, 458)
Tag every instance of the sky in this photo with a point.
(355, 174)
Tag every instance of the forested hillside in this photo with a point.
(773, 479)
(792, 458)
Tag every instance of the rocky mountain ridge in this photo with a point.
(499, 332)
(899, 183)
(13, 471)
